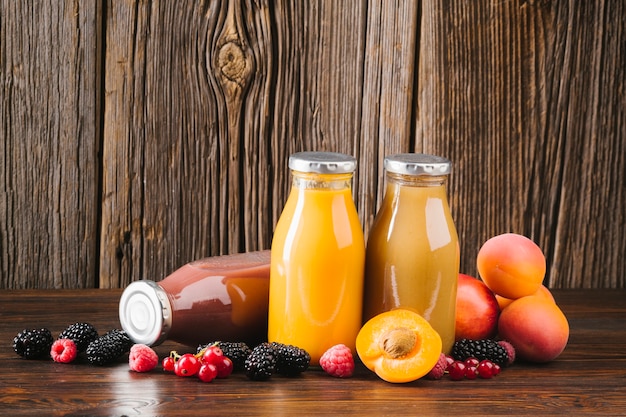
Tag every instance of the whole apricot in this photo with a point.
(398, 345)
(543, 291)
(511, 265)
(503, 302)
(536, 327)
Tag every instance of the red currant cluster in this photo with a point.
(208, 364)
(471, 368)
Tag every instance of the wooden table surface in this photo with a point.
(588, 378)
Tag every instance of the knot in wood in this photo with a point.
(232, 62)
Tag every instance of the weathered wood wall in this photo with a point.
(139, 135)
(50, 135)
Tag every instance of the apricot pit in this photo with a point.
(398, 345)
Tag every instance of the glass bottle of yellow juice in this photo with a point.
(317, 257)
(412, 258)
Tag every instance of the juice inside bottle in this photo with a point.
(317, 261)
(215, 298)
(412, 258)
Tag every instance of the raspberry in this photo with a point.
(510, 351)
(142, 358)
(63, 351)
(338, 361)
(439, 368)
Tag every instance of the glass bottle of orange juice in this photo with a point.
(317, 257)
(412, 258)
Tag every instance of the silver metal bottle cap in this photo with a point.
(322, 162)
(417, 164)
(145, 312)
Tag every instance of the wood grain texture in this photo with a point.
(186, 134)
(584, 380)
(49, 132)
(527, 99)
(202, 102)
(390, 69)
(317, 93)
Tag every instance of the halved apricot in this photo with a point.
(398, 345)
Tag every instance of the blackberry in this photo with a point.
(81, 333)
(261, 363)
(290, 360)
(480, 349)
(32, 344)
(108, 347)
(237, 352)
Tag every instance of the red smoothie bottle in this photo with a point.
(220, 298)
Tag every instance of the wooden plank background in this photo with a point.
(137, 136)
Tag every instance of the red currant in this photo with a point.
(224, 367)
(207, 372)
(496, 369)
(485, 369)
(471, 362)
(187, 365)
(168, 364)
(212, 354)
(456, 370)
(449, 361)
(471, 372)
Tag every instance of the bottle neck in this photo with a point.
(316, 181)
(417, 180)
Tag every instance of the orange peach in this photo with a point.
(511, 265)
(543, 291)
(536, 327)
(503, 302)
